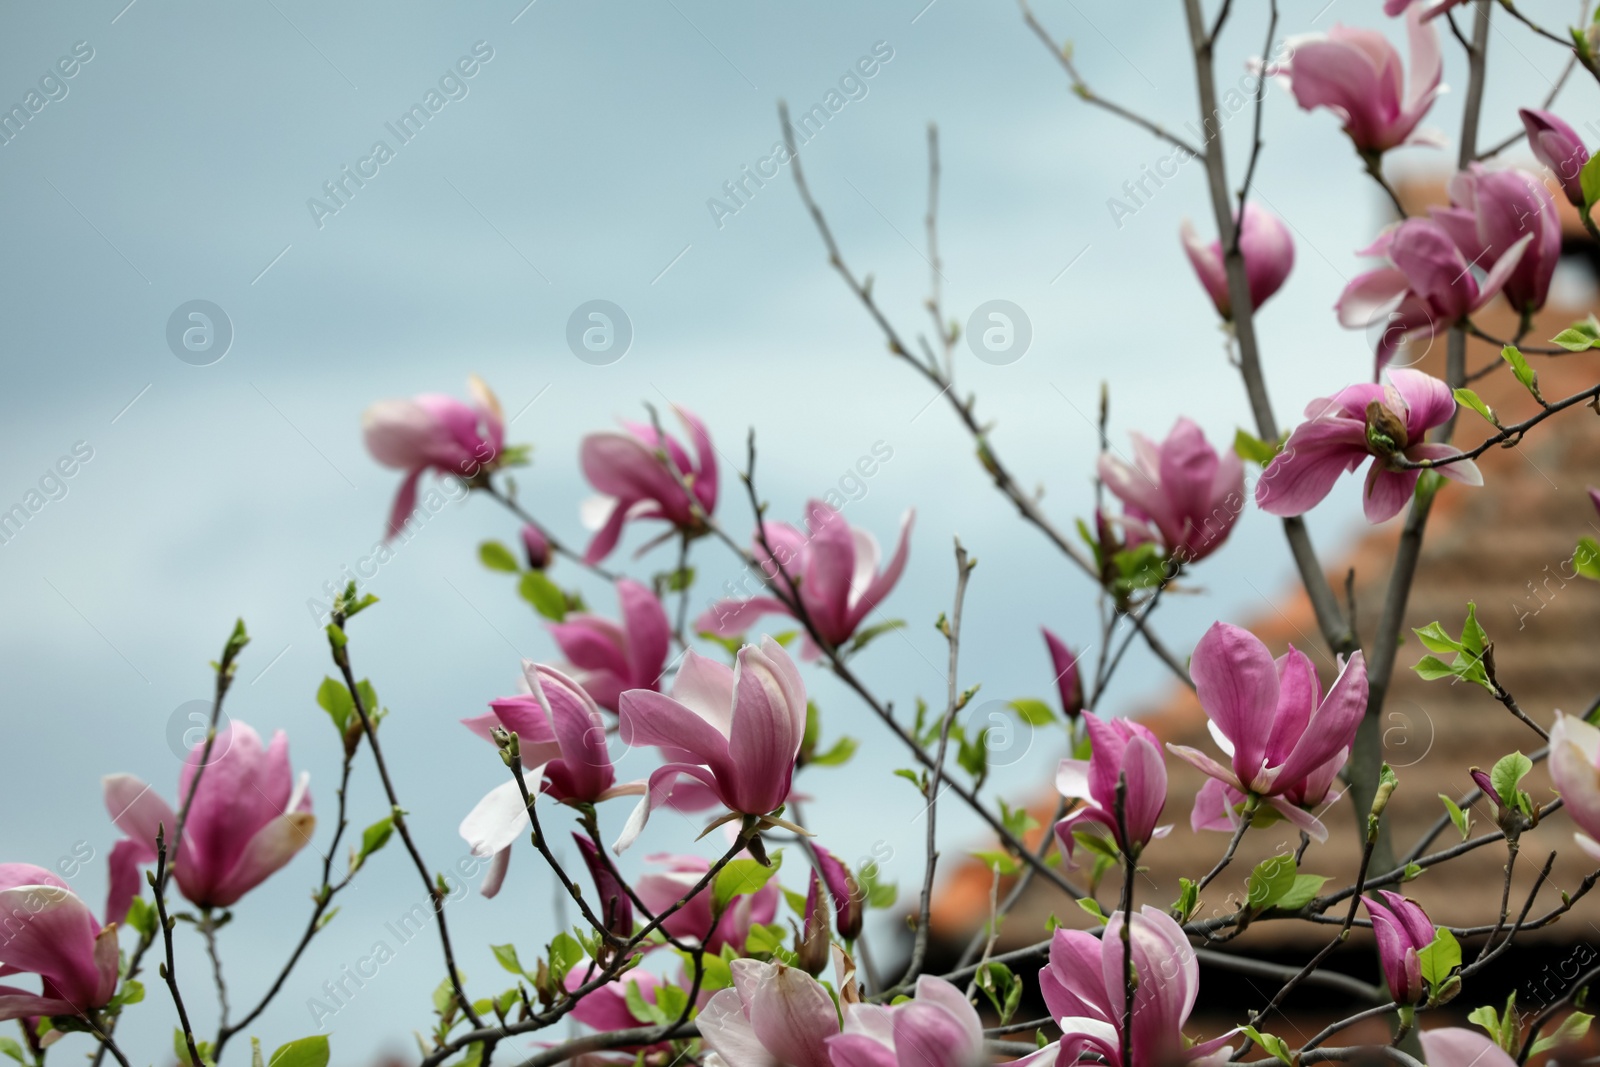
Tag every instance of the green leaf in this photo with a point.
(996, 860)
(865, 637)
(373, 838)
(1468, 399)
(1486, 1017)
(1473, 639)
(334, 699)
(1432, 668)
(766, 939)
(1033, 712)
(1462, 820)
(498, 557)
(1573, 1028)
(506, 956)
(879, 894)
(1271, 881)
(676, 582)
(741, 878)
(1573, 340)
(671, 1000)
(12, 1049)
(306, 1052)
(142, 917)
(1301, 892)
(641, 1008)
(1092, 906)
(1435, 639)
(1589, 181)
(1096, 843)
(1253, 449)
(1188, 899)
(1412, 872)
(565, 953)
(1002, 987)
(1519, 367)
(545, 596)
(132, 992)
(837, 755)
(1440, 959)
(1586, 558)
(1508, 773)
(1271, 1044)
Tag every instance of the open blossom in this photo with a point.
(249, 817)
(1068, 686)
(939, 1028)
(51, 933)
(1268, 253)
(626, 468)
(1457, 1046)
(1357, 75)
(1286, 739)
(562, 740)
(1489, 214)
(1084, 988)
(1180, 492)
(1430, 8)
(607, 658)
(1342, 431)
(735, 732)
(1575, 770)
(1122, 750)
(1403, 929)
(433, 432)
(661, 888)
(836, 568)
(774, 1016)
(1426, 285)
(1557, 146)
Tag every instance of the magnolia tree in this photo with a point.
(717, 959)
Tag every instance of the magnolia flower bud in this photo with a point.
(536, 546)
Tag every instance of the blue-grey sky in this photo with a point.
(577, 163)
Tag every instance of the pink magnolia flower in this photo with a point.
(562, 741)
(735, 732)
(1286, 739)
(1084, 987)
(1557, 146)
(1426, 286)
(433, 432)
(50, 932)
(1490, 213)
(939, 1028)
(606, 1007)
(1403, 929)
(1268, 253)
(1068, 686)
(1357, 74)
(1430, 9)
(1341, 431)
(1456, 1046)
(1121, 750)
(249, 817)
(660, 889)
(1181, 492)
(637, 485)
(774, 1015)
(608, 659)
(836, 568)
(1575, 770)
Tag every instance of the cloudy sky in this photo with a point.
(585, 159)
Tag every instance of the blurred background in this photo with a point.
(586, 159)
